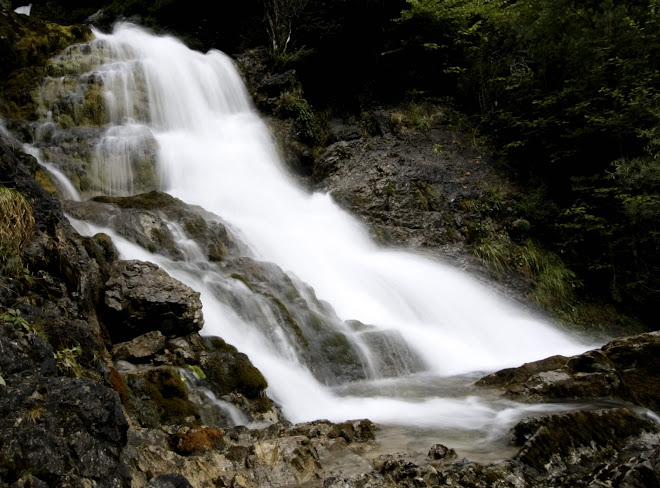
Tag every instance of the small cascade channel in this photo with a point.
(340, 328)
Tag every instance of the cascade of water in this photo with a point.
(66, 188)
(214, 151)
(25, 9)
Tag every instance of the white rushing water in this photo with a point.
(66, 188)
(214, 151)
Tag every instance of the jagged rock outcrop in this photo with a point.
(140, 297)
(65, 404)
(143, 219)
(625, 369)
(406, 185)
(279, 455)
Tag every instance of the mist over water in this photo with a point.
(214, 151)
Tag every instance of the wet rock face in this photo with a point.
(155, 220)
(140, 297)
(62, 429)
(407, 187)
(26, 44)
(583, 438)
(625, 369)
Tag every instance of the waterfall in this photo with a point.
(422, 321)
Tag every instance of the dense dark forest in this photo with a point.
(564, 94)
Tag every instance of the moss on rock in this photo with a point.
(231, 371)
(158, 397)
(26, 46)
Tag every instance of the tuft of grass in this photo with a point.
(284, 61)
(495, 253)
(16, 228)
(36, 414)
(415, 116)
(554, 283)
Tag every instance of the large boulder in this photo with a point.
(230, 371)
(140, 297)
(624, 369)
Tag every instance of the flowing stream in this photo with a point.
(211, 149)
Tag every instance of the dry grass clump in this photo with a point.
(16, 220)
(16, 228)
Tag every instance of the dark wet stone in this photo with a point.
(140, 297)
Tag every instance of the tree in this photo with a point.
(281, 16)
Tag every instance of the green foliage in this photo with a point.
(67, 361)
(614, 219)
(15, 318)
(306, 123)
(569, 94)
(197, 370)
(554, 82)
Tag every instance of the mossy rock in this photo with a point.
(199, 440)
(158, 397)
(231, 371)
(44, 179)
(153, 200)
(26, 46)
